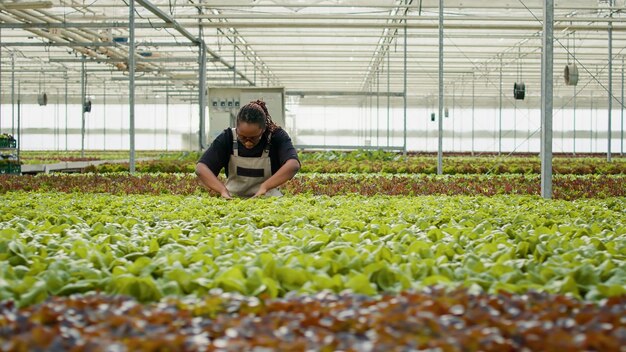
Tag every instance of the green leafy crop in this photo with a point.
(155, 246)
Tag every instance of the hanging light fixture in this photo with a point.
(519, 88)
(42, 97)
(87, 106)
(570, 73)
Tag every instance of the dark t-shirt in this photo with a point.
(218, 154)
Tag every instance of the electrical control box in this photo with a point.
(225, 103)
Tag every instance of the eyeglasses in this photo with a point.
(244, 139)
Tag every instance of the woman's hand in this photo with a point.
(261, 192)
(284, 174)
(225, 194)
(210, 181)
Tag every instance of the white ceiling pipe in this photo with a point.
(87, 35)
(181, 30)
(600, 26)
(112, 52)
(384, 16)
(269, 46)
(85, 51)
(376, 35)
(410, 25)
(47, 35)
(25, 5)
(565, 5)
(57, 38)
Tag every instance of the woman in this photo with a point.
(257, 155)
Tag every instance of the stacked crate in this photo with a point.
(9, 158)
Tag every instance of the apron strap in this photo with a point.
(235, 143)
(269, 143)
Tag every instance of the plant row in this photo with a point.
(433, 319)
(354, 162)
(150, 247)
(381, 155)
(51, 157)
(332, 155)
(415, 165)
(470, 165)
(564, 186)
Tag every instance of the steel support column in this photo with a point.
(473, 108)
(378, 106)
(66, 93)
(234, 60)
(202, 92)
(440, 137)
(546, 98)
(19, 132)
(12, 94)
(0, 79)
(404, 90)
(610, 30)
(82, 108)
(451, 115)
(167, 117)
(104, 112)
(131, 82)
(621, 149)
(500, 112)
(388, 97)
(574, 144)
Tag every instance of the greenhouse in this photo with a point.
(312, 175)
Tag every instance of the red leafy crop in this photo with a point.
(431, 319)
(567, 187)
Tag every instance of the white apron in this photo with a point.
(245, 175)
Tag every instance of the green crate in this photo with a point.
(8, 143)
(11, 169)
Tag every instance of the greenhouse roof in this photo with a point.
(317, 49)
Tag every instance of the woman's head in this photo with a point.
(255, 112)
(253, 120)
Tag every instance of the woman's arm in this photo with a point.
(210, 181)
(284, 174)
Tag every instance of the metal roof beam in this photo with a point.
(407, 17)
(89, 44)
(156, 59)
(169, 20)
(478, 5)
(173, 78)
(303, 93)
(92, 25)
(600, 26)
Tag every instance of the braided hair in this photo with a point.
(256, 112)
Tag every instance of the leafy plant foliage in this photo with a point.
(150, 247)
(564, 186)
(358, 161)
(432, 319)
